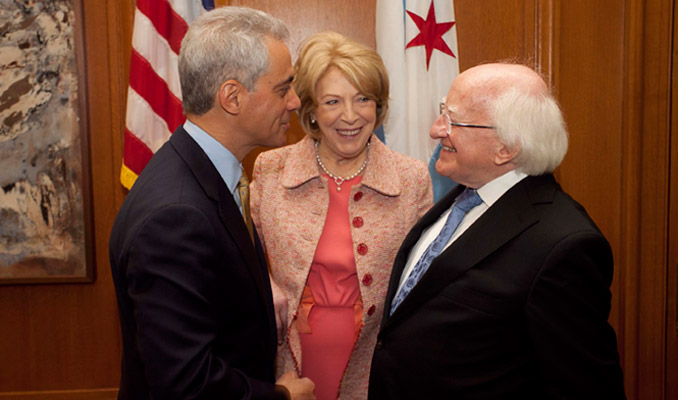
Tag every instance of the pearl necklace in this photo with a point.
(338, 179)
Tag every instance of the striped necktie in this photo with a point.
(244, 193)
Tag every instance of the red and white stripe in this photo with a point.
(154, 95)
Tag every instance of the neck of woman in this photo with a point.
(345, 168)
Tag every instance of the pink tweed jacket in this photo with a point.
(289, 200)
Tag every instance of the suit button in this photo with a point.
(367, 279)
(371, 310)
(358, 222)
(362, 249)
(380, 344)
(358, 196)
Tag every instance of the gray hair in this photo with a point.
(532, 123)
(225, 43)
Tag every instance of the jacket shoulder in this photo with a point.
(410, 169)
(399, 161)
(273, 156)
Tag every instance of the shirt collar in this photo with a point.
(493, 190)
(224, 161)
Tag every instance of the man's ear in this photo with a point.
(506, 154)
(231, 95)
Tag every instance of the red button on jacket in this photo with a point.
(358, 196)
(371, 310)
(357, 222)
(367, 279)
(362, 249)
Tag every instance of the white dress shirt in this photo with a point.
(489, 194)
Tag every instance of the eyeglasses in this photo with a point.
(451, 123)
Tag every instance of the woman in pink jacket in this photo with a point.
(332, 211)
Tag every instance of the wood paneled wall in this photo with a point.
(672, 263)
(64, 338)
(610, 62)
(644, 197)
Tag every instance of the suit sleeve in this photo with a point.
(567, 312)
(172, 281)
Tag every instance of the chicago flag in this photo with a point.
(417, 40)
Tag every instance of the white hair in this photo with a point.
(533, 124)
(225, 43)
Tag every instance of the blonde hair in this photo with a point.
(361, 65)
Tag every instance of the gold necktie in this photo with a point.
(244, 192)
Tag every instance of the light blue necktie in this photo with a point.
(465, 202)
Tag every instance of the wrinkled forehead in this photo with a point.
(475, 89)
(468, 98)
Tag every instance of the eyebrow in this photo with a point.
(336, 95)
(286, 82)
(452, 111)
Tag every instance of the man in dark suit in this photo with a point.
(193, 292)
(501, 291)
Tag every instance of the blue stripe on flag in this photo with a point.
(208, 4)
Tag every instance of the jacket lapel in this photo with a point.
(215, 188)
(507, 218)
(411, 239)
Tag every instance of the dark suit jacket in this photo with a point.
(194, 298)
(516, 308)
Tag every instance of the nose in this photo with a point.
(349, 115)
(293, 102)
(438, 130)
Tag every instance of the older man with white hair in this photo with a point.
(502, 289)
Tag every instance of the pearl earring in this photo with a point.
(312, 120)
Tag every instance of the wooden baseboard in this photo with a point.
(92, 394)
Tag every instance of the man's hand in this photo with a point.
(280, 306)
(298, 388)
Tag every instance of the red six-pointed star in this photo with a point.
(430, 34)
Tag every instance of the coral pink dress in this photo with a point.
(330, 312)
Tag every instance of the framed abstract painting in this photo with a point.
(45, 190)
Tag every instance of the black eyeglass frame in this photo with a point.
(461, 124)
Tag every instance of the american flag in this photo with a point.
(154, 95)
